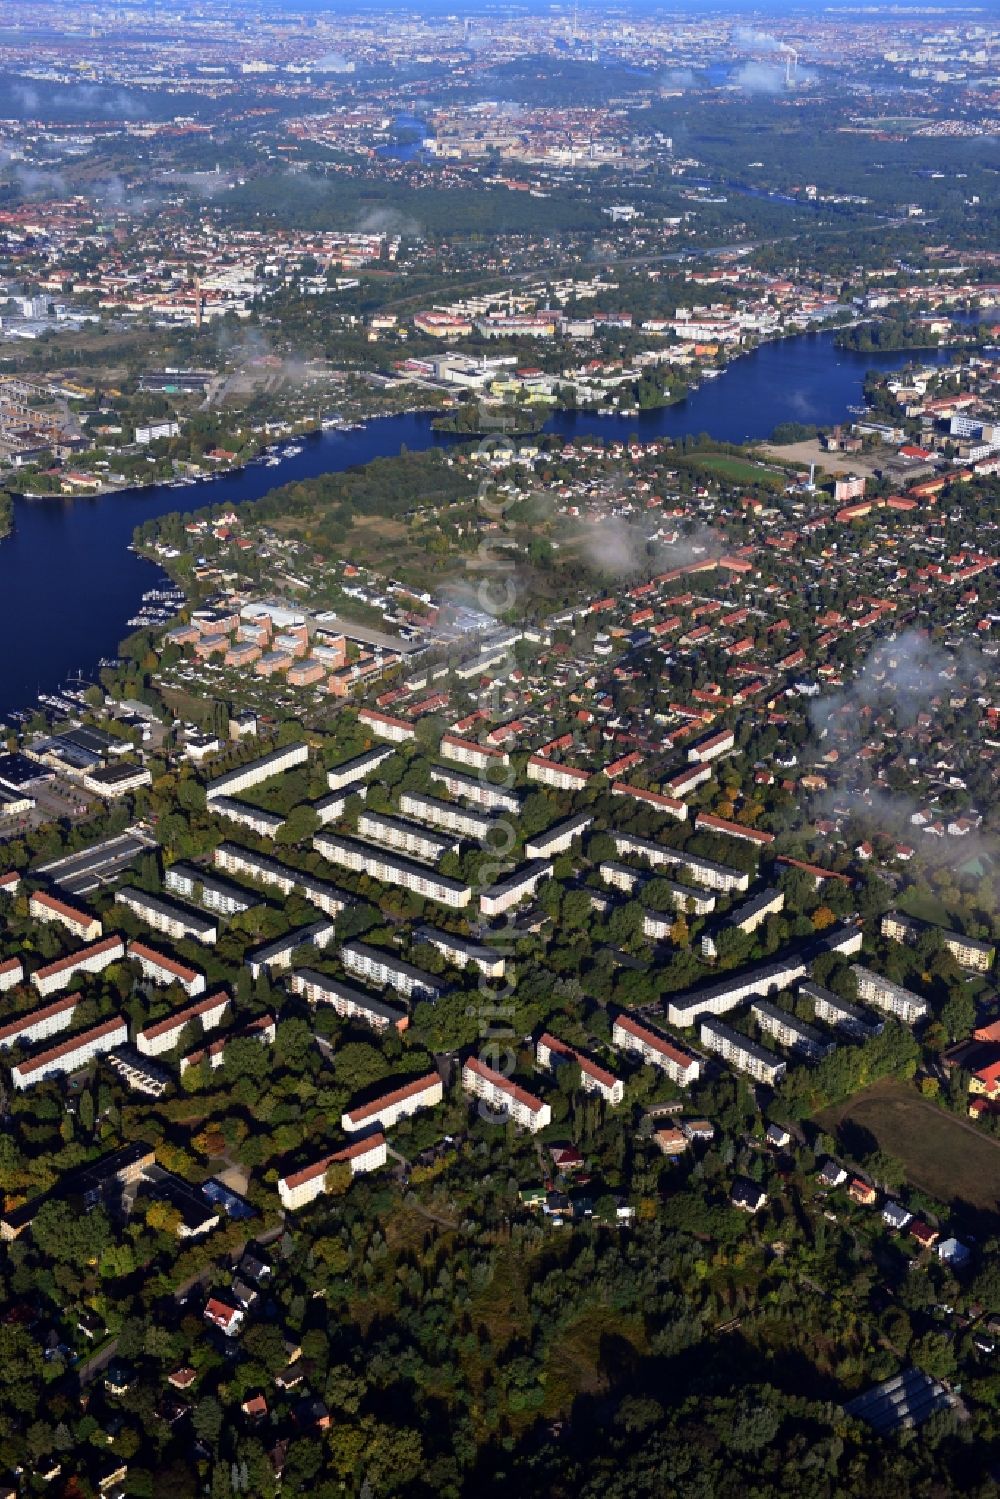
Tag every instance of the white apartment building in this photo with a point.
(346, 1000)
(968, 952)
(837, 1012)
(265, 871)
(397, 730)
(408, 838)
(423, 1093)
(462, 952)
(623, 876)
(656, 1050)
(41, 1023)
(299, 1188)
(391, 869)
(671, 806)
(262, 1029)
(447, 815)
(557, 839)
(262, 769)
(11, 973)
(245, 815)
(235, 859)
(711, 748)
(517, 886)
(82, 923)
(351, 772)
(748, 983)
(504, 1096)
(92, 959)
(221, 896)
(279, 953)
(561, 777)
(684, 899)
(721, 877)
(746, 917)
(686, 781)
(481, 793)
(167, 917)
(745, 1055)
(160, 969)
(389, 972)
(468, 752)
(892, 998)
(69, 1055)
(550, 1053)
(162, 1035)
(799, 1037)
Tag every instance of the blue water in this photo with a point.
(407, 150)
(68, 585)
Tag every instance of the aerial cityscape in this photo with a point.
(500, 765)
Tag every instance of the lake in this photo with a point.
(68, 584)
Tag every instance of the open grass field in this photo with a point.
(945, 1155)
(736, 470)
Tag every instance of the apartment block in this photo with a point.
(346, 1000)
(407, 838)
(245, 815)
(854, 1022)
(396, 730)
(11, 973)
(351, 772)
(711, 748)
(94, 958)
(166, 916)
(160, 969)
(515, 887)
(389, 972)
(468, 752)
(747, 917)
(263, 1030)
(162, 1035)
(505, 1097)
(299, 1188)
(721, 877)
(890, 997)
(279, 953)
(447, 815)
(799, 1037)
(462, 952)
(70, 1055)
(559, 838)
(221, 896)
(559, 777)
(552, 1053)
(747, 983)
(41, 1023)
(423, 1093)
(655, 1049)
(82, 923)
(670, 806)
(258, 771)
(968, 952)
(745, 1055)
(391, 869)
(482, 793)
(235, 859)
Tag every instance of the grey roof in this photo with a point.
(905, 1400)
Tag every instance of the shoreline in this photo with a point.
(431, 409)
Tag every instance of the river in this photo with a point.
(68, 584)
